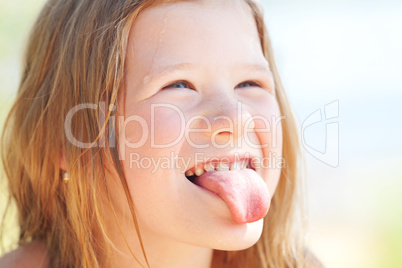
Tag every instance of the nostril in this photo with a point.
(224, 133)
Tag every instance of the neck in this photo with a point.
(159, 252)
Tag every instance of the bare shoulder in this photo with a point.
(27, 256)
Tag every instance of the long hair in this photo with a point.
(76, 54)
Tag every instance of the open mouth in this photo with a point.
(198, 170)
(235, 181)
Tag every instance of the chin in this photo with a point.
(239, 237)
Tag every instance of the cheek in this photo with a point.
(168, 126)
(268, 129)
(149, 167)
(150, 130)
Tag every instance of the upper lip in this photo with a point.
(223, 158)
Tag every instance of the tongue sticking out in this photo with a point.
(243, 191)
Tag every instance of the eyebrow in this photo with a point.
(168, 69)
(256, 67)
(165, 70)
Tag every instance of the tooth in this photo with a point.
(209, 167)
(199, 171)
(222, 167)
(189, 173)
(243, 164)
(235, 166)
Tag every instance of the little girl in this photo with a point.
(153, 133)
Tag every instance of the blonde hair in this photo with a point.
(76, 54)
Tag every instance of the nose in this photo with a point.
(223, 121)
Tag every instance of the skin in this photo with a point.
(217, 48)
(26, 256)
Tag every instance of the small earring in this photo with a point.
(65, 179)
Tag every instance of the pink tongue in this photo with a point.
(243, 191)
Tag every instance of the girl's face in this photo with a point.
(198, 89)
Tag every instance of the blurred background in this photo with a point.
(347, 55)
(341, 64)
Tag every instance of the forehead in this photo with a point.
(213, 32)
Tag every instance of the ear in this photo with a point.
(62, 161)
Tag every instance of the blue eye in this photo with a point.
(247, 84)
(180, 84)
